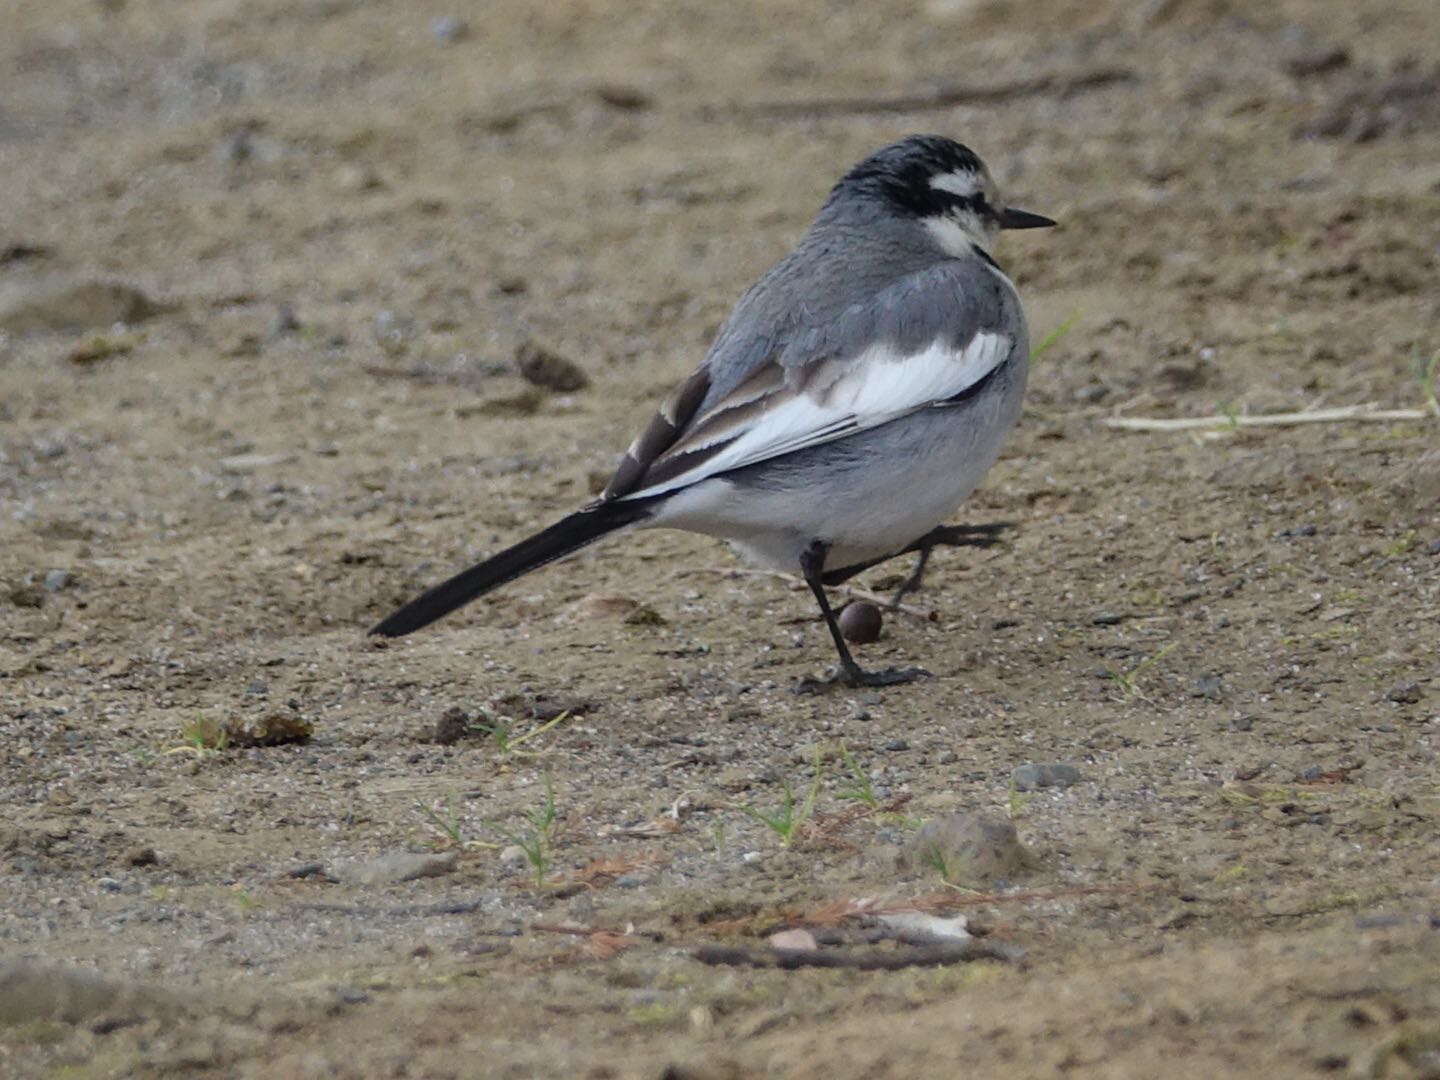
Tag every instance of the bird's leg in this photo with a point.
(812, 564)
(982, 536)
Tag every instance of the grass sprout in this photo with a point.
(1017, 801)
(787, 821)
(201, 737)
(1054, 336)
(502, 731)
(863, 792)
(446, 823)
(1129, 681)
(1427, 374)
(536, 837)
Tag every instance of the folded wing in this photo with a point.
(932, 340)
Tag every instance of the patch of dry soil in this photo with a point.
(345, 220)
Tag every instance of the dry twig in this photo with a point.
(1339, 414)
(838, 911)
(600, 943)
(602, 872)
(960, 952)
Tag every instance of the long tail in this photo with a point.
(561, 539)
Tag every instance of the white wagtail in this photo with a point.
(856, 395)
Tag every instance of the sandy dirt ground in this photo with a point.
(266, 268)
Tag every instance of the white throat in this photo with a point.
(954, 239)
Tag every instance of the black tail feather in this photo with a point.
(564, 537)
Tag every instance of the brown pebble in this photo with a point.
(453, 725)
(30, 596)
(542, 367)
(144, 856)
(860, 622)
(967, 849)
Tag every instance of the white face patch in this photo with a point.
(952, 237)
(962, 182)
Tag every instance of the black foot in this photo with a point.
(859, 677)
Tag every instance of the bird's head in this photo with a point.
(943, 185)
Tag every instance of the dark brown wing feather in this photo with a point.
(676, 411)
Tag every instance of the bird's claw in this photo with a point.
(858, 677)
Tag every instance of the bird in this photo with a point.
(856, 395)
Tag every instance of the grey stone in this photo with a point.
(1033, 776)
(967, 849)
(399, 866)
(446, 29)
(1405, 693)
(1207, 686)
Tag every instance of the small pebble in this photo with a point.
(144, 856)
(546, 368)
(446, 29)
(1033, 776)
(26, 596)
(967, 848)
(237, 148)
(400, 866)
(1207, 686)
(795, 939)
(284, 321)
(1406, 693)
(351, 995)
(896, 745)
(453, 725)
(108, 884)
(55, 580)
(861, 622)
(353, 179)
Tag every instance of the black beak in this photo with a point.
(1010, 218)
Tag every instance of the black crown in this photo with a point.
(901, 173)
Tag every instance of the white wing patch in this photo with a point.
(874, 388)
